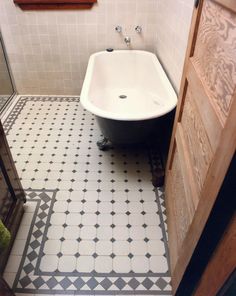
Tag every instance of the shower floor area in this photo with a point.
(93, 223)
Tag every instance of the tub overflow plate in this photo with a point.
(122, 96)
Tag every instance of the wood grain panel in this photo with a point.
(215, 54)
(192, 196)
(231, 4)
(197, 140)
(210, 120)
(180, 217)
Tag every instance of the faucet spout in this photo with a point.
(127, 41)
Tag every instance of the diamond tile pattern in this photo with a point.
(100, 204)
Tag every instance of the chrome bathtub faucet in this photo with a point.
(127, 41)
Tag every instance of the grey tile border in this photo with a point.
(119, 279)
(22, 100)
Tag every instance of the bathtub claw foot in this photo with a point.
(104, 144)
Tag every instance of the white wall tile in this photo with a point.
(49, 50)
(172, 29)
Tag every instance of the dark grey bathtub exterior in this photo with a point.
(121, 132)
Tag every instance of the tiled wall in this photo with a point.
(49, 50)
(173, 24)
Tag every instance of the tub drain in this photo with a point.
(122, 96)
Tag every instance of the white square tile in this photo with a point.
(62, 195)
(89, 219)
(136, 219)
(120, 196)
(85, 264)
(88, 232)
(77, 196)
(92, 185)
(135, 207)
(75, 206)
(150, 207)
(134, 196)
(140, 264)
(120, 233)
(55, 232)
(104, 232)
(120, 219)
(67, 263)
(73, 219)
(152, 219)
(58, 219)
(86, 247)
(71, 232)
(69, 247)
(120, 207)
(65, 185)
(60, 206)
(105, 207)
(91, 196)
(106, 196)
(52, 247)
(104, 247)
(90, 207)
(156, 247)
(105, 219)
(148, 196)
(122, 264)
(137, 233)
(79, 186)
(138, 247)
(106, 185)
(158, 264)
(153, 232)
(49, 263)
(103, 264)
(121, 248)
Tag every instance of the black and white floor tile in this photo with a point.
(93, 225)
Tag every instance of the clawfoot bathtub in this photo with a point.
(129, 93)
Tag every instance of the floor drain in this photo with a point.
(122, 96)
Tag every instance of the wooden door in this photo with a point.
(204, 135)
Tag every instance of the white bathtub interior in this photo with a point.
(137, 75)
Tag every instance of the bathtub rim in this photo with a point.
(84, 97)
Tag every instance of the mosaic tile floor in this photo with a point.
(94, 225)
